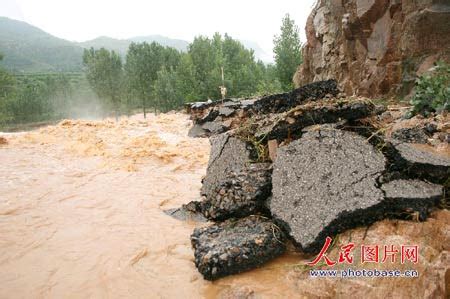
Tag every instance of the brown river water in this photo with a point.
(81, 211)
(81, 216)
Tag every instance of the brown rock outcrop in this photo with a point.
(374, 47)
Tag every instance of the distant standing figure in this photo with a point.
(223, 91)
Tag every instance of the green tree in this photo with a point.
(209, 56)
(206, 65)
(164, 78)
(166, 90)
(32, 103)
(143, 62)
(137, 73)
(240, 67)
(268, 82)
(105, 74)
(287, 50)
(7, 95)
(186, 82)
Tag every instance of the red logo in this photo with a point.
(369, 254)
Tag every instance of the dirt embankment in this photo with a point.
(81, 209)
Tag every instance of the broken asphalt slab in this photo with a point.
(420, 162)
(188, 212)
(235, 246)
(241, 193)
(324, 183)
(411, 199)
(214, 127)
(227, 154)
(217, 111)
(290, 124)
(328, 181)
(278, 103)
(196, 131)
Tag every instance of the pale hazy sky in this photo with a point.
(80, 20)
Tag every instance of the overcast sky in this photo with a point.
(80, 20)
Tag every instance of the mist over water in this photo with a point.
(81, 209)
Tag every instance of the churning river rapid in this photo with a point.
(81, 213)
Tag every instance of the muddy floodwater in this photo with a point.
(81, 216)
(81, 211)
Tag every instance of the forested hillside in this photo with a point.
(29, 49)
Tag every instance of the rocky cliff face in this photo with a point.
(374, 47)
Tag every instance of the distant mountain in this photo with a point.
(180, 45)
(29, 49)
(118, 45)
(121, 45)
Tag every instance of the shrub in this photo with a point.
(432, 91)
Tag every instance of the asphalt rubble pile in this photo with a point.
(300, 166)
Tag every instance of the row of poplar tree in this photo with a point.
(153, 77)
(163, 78)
